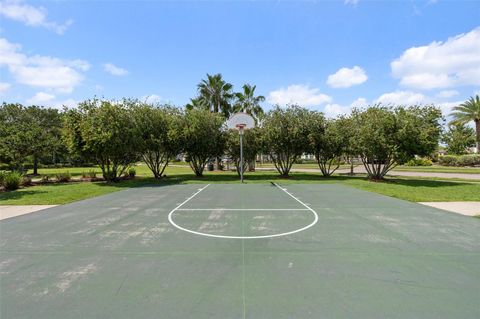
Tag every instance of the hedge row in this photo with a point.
(460, 160)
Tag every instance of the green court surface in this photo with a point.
(240, 251)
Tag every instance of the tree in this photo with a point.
(160, 129)
(216, 93)
(458, 138)
(105, 132)
(251, 147)
(249, 103)
(327, 141)
(388, 136)
(28, 132)
(285, 136)
(467, 112)
(203, 138)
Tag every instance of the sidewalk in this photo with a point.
(12, 211)
(464, 208)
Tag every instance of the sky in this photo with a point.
(324, 55)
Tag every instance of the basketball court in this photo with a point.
(240, 251)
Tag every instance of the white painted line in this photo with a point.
(244, 209)
(170, 219)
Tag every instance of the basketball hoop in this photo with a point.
(241, 122)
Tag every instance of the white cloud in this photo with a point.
(333, 110)
(41, 71)
(40, 98)
(298, 94)
(402, 97)
(446, 107)
(447, 94)
(452, 63)
(352, 2)
(4, 87)
(31, 16)
(346, 77)
(114, 70)
(151, 99)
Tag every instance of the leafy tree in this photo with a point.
(390, 136)
(197, 103)
(105, 132)
(248, 102)
(160, 129)
(327, 141)
(349, 133)
(216, 93)
(467, 112)
(285, 136)
(203, 138)
(251, 147)
(458, 138)
(28, 132)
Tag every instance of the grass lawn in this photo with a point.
(404, 188)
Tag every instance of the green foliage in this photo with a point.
(251, 147)
(132, 172)
(104, 131)
(203, 138)
(12, 180)
(462, 160)
(89, 174)
(419, 162)
(458, 138)
(28, 132)
(2, 177)
(248, 102)
(63, 177)
(215, 93)
(387, 136)
(161, 130)
(328, 142)
(285, 136)
(467, 112)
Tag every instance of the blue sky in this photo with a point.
(326, 55)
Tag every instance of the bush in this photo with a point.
(90, 174)
(462, 160)
(447, 160)
(419, 162)
(26, 181)
(2, 177)
(12, 181)
(468, 160)
(132, 172)
(45, 178)
(63, 177)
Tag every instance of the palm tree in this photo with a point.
(249, 103)
(197, 103)
(217, 93)
(469, 111)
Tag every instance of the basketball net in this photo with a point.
(240, 128)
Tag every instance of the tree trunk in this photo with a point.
(35, 165)
(477, 128)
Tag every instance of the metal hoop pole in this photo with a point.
(241, 155)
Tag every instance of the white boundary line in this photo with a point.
(315, 220)
(242, 209)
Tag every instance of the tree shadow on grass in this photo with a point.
(13, 195)
(425, 182)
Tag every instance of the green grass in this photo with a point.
(411, 189)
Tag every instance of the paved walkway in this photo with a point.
(464, 208)
(361, 170)
(12, 211)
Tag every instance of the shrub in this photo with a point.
(90, 174)
(63, 177)
(132, 172)
(419, 162)
(26, 181)
(468, 160)
(45, 178)
(12, 181)
(2, 177)
(447, 160)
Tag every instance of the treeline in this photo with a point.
(116, 134)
